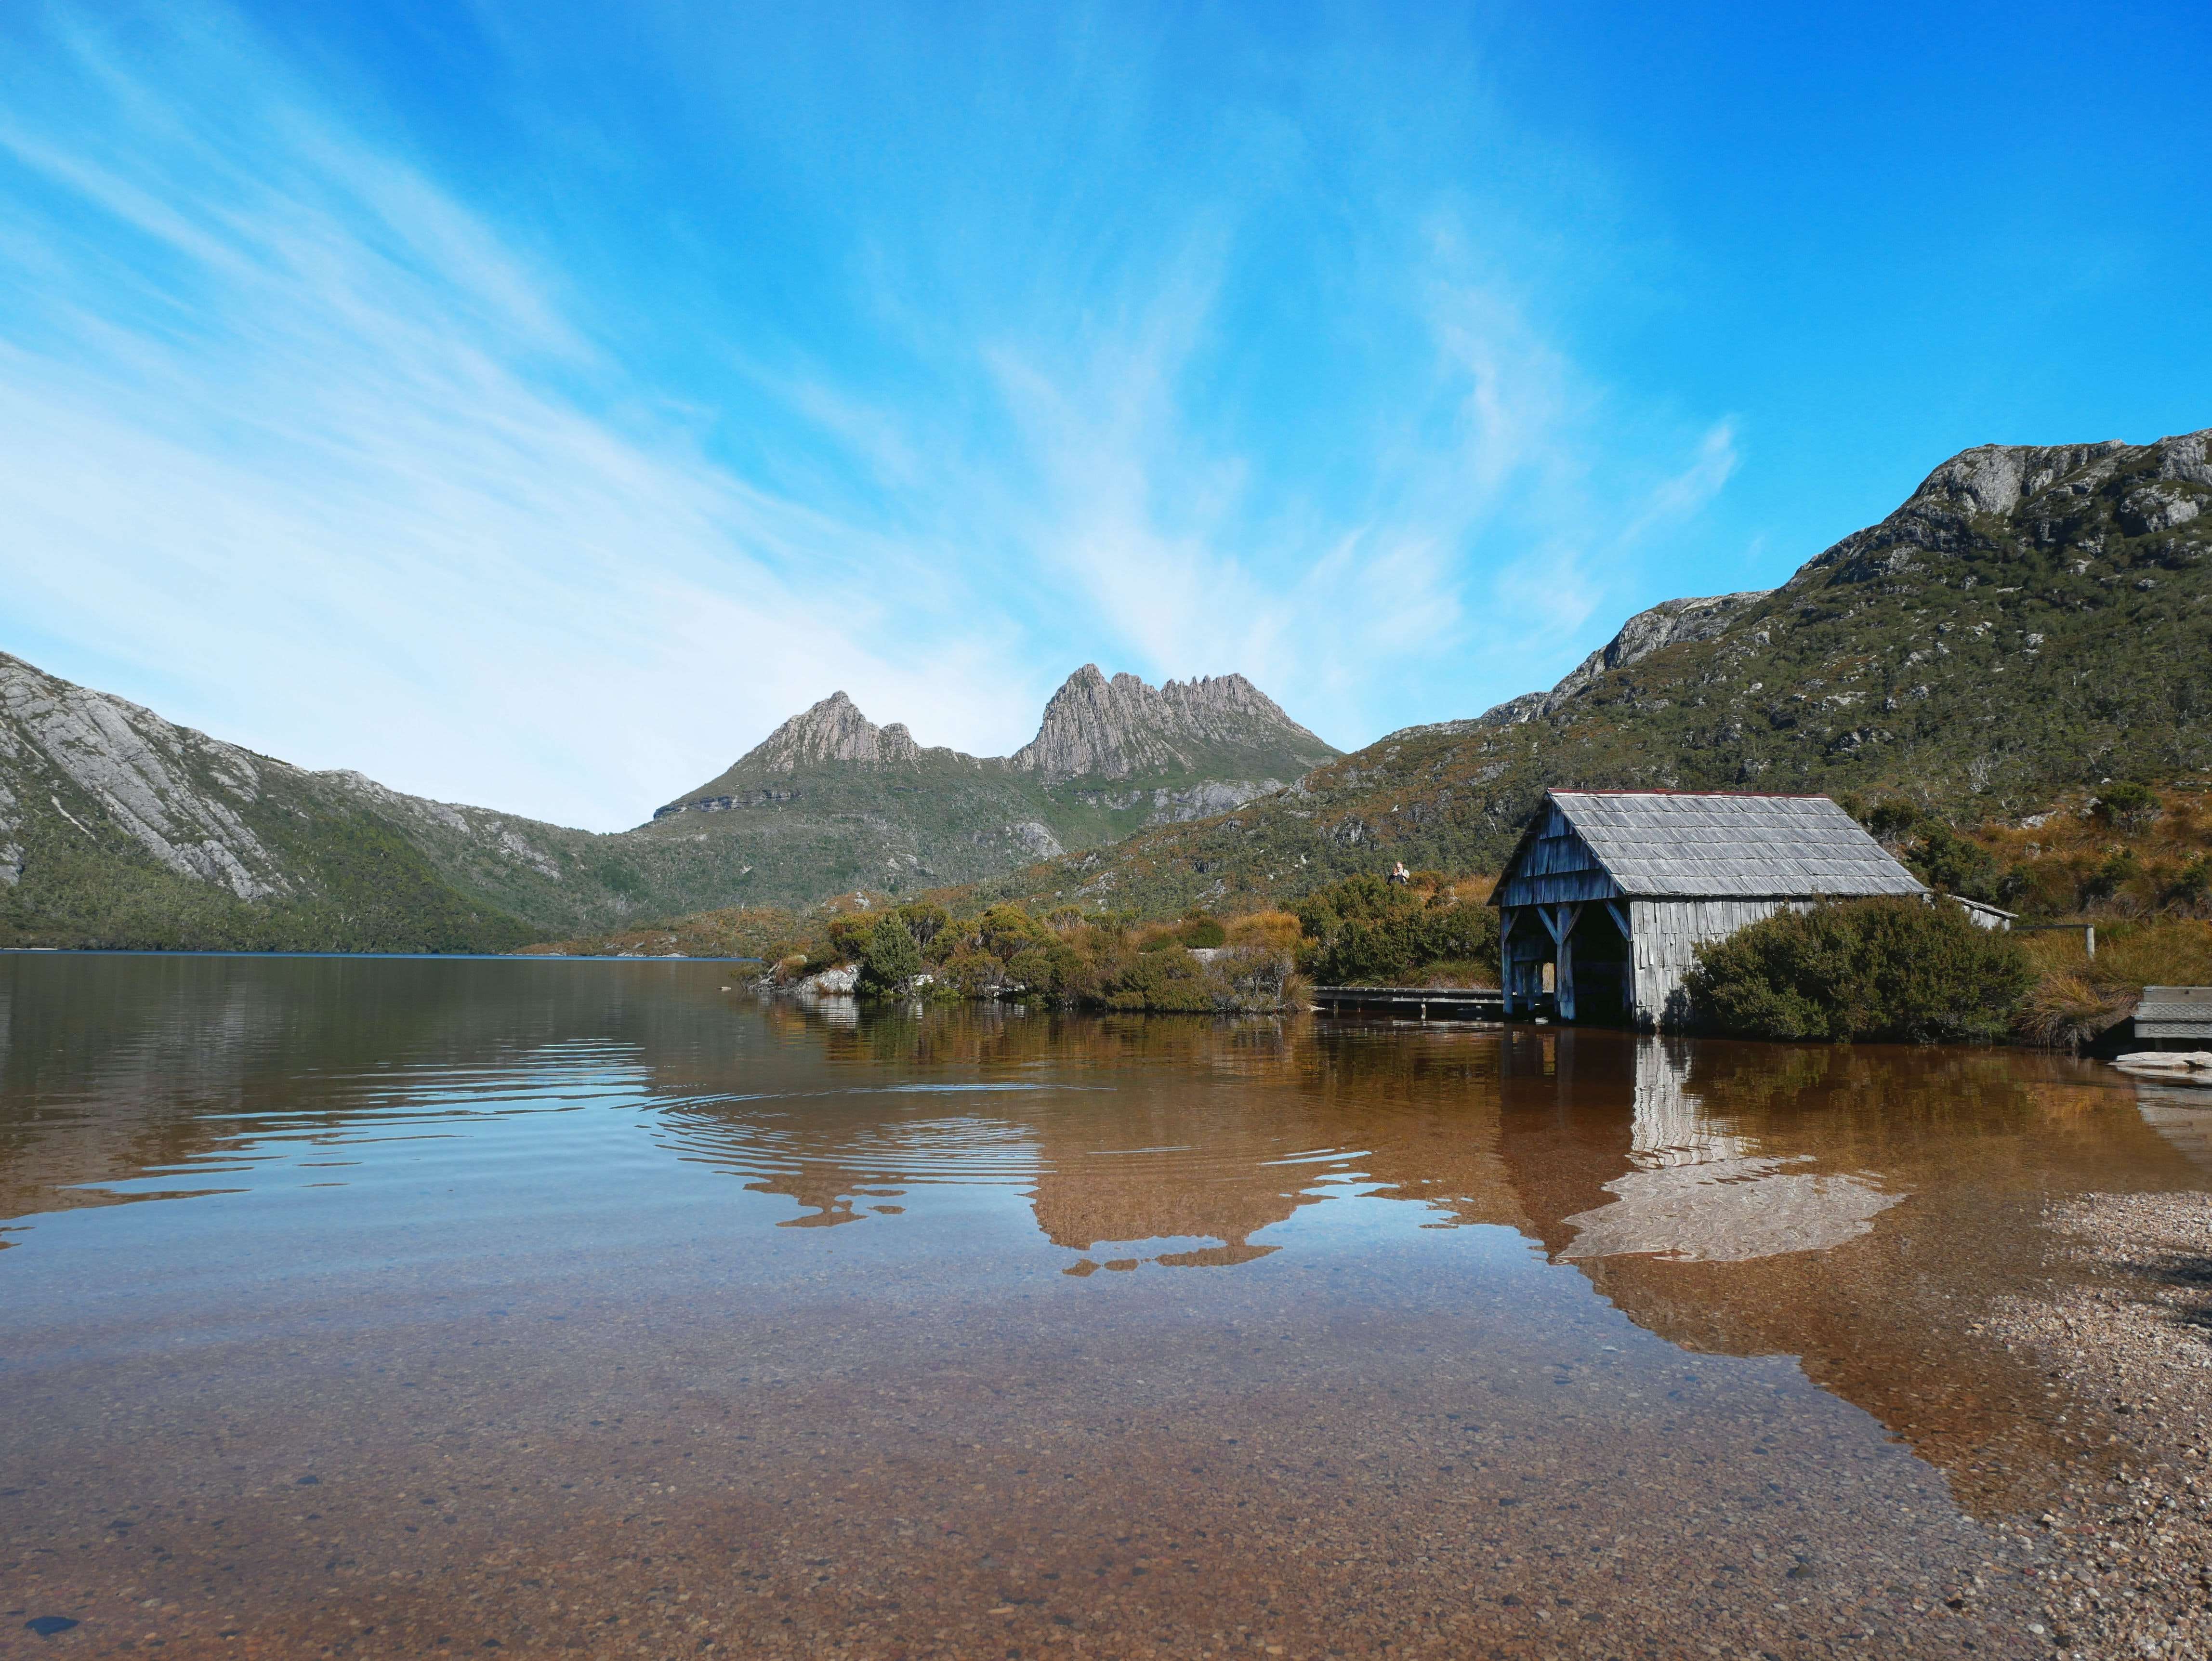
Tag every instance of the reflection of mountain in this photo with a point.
(1164, 1141)
(131, 1076)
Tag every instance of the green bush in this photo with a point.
(1897, 969)
(1366, 930)
(1006, 930)
(1197, 929)
(850, 933)
(891, 960)
(1163, 982)
(925, 920)
(2119, 868)
(2126, 804)
(1947, 860)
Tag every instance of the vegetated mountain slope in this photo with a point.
(119, 828)
(831, 801)
(2031, 621)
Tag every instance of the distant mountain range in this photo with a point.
(2031, 620)
(119, 828)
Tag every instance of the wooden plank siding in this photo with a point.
(1556, 868)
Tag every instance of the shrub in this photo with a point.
(2126, 804)
(891, 960)
(1006, 930)
(849, 935)
(1862, 969)
(1946, 859)
(1278, 930)
(2191, 882)
(1052, 970)
(2066, 1011)
(1887, 821)
(1164, 983)
(2119, 868)
(925, 920)
(1364, 929)
(1197, 929)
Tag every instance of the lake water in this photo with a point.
(400, 1308)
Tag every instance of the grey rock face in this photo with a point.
(2044, 482)
(1037, 838)
(175, 792)
(1095, 728)
(833, 730)
(1203, 801)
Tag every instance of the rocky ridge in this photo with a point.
(1114, 729)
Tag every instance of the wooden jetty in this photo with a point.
(2181, 1015)
(1413, 1003)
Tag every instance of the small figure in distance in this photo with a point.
(1399, 875)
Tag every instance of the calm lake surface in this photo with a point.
(399, 1307)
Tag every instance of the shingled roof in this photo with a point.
(1669, 844)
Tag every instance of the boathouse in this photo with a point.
(1609, 893)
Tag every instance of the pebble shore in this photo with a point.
(2130, 1572)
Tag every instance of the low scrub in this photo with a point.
(1365, 931)
(1876, 968)
(1199, 964)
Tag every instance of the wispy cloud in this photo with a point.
(313, 447)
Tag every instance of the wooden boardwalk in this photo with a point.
(1420, 1003)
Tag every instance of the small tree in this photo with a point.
(2126, 804)
(849, 935)
(1946, 859)
(1366, 930)
(892, 959)
(925, 920)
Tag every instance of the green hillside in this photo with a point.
(2031, 622)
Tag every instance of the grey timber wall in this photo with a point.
(1555, 867)
(1664, 936)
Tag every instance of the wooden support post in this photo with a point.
(1559, 922)
(1566, 975)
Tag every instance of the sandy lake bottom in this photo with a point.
(403, 1308)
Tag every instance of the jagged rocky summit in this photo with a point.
(1093, 729)
(2032, 619)
(831, 800)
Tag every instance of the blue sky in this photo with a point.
(532, 404)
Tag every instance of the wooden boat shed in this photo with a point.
(1609, 893)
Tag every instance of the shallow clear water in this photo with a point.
(383, 1307)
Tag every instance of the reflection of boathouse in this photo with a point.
(1613, 891)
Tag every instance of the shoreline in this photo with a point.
(2127, 1332)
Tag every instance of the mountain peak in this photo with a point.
(1094, 728)
(832, 730)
